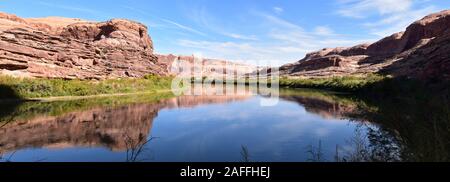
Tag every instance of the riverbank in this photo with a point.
(349, 84)
(19, 110)
(58, 89)
(27, 88)
(345, 84)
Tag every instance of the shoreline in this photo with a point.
(67, 98)
(70, 98)
(29, 89)
(46, 90)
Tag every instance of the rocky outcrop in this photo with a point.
(421, 52)
(75, 49)
(212, 68)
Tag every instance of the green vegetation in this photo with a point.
(413, 119)
(346, 83)
(24, 88)
(415, 114)
(18, 110)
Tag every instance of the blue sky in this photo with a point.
(245, 30)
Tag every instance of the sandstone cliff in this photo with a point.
(68, 48)
(72, 48)
(212, 68)
(422, 51)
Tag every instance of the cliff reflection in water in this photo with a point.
(396, 128)
(409, 127)
(118, 128)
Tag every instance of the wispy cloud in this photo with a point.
(204, 24)
(323, 31)
(291, 33)
(364, 8)
(248, 53)
(277, 21)
(278, 10)
(240, 36)
(397, 22)
(283, 42)
(165, 21)
(208, 22)
(184, 27)
(70, 8)
(391, 15)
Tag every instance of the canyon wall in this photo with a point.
(56, 47)
(68, 48)
(212, 68)
(422, 51)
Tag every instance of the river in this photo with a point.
(304, 126)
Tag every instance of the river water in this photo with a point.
(305, 125)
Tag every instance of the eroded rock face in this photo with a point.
(75, 49)
(422, 51)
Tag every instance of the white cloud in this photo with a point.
(283, 42)
(249, 53)
(322, 36)
(364, 8)
(292, 49)
(70, 8)
(208, 22)
(184, 27)
(226, 50)
(241, 37)
(278, 21)
(324, 31)
(278, 10)
(398, 22)
(392, 15)
(163, 22)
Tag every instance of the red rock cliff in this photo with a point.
(422, 51)
(72, 48)
(212, 68)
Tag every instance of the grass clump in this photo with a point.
(345, 83)
(24, 88)
(341, 84)
(16, 111)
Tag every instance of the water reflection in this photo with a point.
(118, 128)
(408, 127)
(96, 127)
(307, 125)
(135, 148)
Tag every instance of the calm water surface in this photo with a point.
(304, 126)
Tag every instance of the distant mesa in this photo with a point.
(213, 68)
